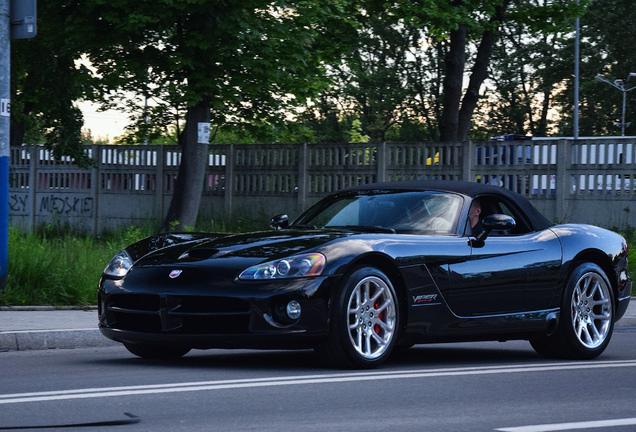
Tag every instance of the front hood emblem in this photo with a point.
(175, 273)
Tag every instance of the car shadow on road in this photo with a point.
(303, 360)
(465, 354)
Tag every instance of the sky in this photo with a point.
(104, 125)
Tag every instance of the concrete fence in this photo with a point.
(585, 180)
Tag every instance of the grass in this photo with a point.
(51, 268)
(54, 268)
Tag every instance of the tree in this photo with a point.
(468, 31)
(373, 73)
(238, 61)
(427, 63)
(606, 33)
(526, 70)
(46, 83)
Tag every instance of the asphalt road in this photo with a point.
(455, 387)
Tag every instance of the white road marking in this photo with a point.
(300, 380)
(571, 426)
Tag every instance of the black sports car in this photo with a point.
(370, 268)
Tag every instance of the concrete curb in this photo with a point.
(46, 308)
(29, 340)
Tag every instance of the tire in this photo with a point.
(364, 321)
(149, 351)
(586, 319)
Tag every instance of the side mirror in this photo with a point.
(496, 222)
(279, 222)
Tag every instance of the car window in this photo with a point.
(497, 205)
(402, 211)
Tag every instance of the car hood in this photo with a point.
(233, 250)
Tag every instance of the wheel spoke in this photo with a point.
(376, 338)
(378, 293)
(386, 327)
(585, 334)
(578, 328)
(596, 335)
(384, 306)
(366, 292)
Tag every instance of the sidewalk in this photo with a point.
(39, 328)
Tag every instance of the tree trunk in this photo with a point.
(16, 135)
(454, 122)
(455, 62)
(479, 73)
(542, 128)
(184, 207)
(18, 130)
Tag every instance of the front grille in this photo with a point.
(176, 314)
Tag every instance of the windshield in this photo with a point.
(401, 211)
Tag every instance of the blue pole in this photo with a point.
(4, 220)
(5, 124)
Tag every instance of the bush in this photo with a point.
(51, 268)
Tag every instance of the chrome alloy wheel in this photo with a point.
(591, 310)
(372, 317)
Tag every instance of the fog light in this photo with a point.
(293, 310)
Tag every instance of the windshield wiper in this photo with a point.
(302, 227)
(364, 228)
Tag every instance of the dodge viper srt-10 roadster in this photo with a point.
(371, 268)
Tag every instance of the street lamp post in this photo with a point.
(622, 86)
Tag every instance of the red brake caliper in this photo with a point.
(376, 328)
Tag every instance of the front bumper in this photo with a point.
(251, 315)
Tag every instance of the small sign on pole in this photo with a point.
(5, 107)
(23, 19)
(203, 136)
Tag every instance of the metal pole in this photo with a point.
(576, 78)
(623, 116)
(5, 123)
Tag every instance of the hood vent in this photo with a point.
(198, 254)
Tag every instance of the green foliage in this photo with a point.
(53, 271)
(46, 83)
(355, 134)
(302, 71)
(606, 30)
(630, 236)
(53, 267)
(251, 61)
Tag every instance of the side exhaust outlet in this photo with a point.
(552, 320)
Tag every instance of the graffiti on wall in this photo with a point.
(66, 205)
(18, 203)
(52, 204)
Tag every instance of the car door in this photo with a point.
(510, 273)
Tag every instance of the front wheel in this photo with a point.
(587, 317)
(364, 321)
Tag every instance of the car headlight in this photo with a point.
(290, 267)
(120, 265)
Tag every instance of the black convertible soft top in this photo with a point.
(469, 189)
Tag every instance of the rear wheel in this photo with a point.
(586, 322)
(364, 321)
(156, 351)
